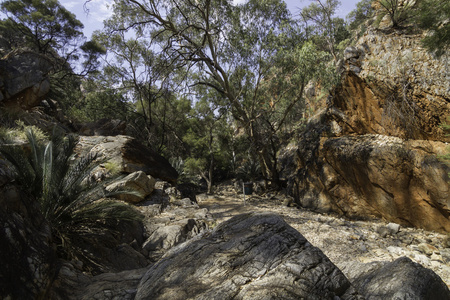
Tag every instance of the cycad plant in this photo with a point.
(75, 206)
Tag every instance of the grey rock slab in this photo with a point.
(251, 256)
(401, 279)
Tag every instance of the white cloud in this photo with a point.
(100, 10)
(236, 2)
(69, 5)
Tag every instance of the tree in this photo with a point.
(433, 15)
(48, 28)
(98, 102)
(234, 49)
(358, 16)
(332, 29)
(67, 197)
(206, 124)
(397, 10)
(140, 73)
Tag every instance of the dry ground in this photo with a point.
(346, 242)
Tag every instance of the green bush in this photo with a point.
(75, 206)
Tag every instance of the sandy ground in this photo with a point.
(346, 242)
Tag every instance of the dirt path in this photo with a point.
(346, 242)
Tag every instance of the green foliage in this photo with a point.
(46, 24)
(72, 203)
(434, 15)
(103, 104)
(398, 11)
(357, 17)
(18, 133)
(249, 170)
(46, 27)
(112, 167)
(330, 29)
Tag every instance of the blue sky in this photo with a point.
(99, 10)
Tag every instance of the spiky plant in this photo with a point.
(75, 206)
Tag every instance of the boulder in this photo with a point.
(26, 253)
(23, 78)
(137, 181)
(114, 250)
(129, 155)
(251, 256)
(400, 279)
(167, 236)
(377, 176)
(72, 284)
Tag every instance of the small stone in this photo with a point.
(383, 231)
(436, 257)
(393, 228)
(395, 250)
(427, 249)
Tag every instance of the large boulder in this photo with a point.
(400, 279)
(23, 78)
(251, 256)
(129, 155)
(377, 176)
(138, 182)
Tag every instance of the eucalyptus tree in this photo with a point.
(362, 13)
(243, 52)
(47, 27)
(327, 26)
(134, 67)
(207, 126)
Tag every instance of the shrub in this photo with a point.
(75, 206)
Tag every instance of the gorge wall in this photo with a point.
(374, 150)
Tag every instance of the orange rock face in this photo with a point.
(374, 152)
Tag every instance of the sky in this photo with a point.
(99, 10)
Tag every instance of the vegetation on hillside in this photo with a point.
(215, 85)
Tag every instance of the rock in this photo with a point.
(113, 286)
(351, 52)
(23, 78)
(383, 231)
(251, 256)
(168, 236)
(129, 155)
(72, 284)
(366, 96)
(173, 192)
(427, 249)
(409, 188)
(26, 253)
(393, 228)
(137, 181)
(188, 190)
(401, 279)
(112, 251)
(185, 202)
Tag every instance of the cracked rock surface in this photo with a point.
(250, 256)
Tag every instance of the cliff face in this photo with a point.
(373, 151)
(394, 87)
